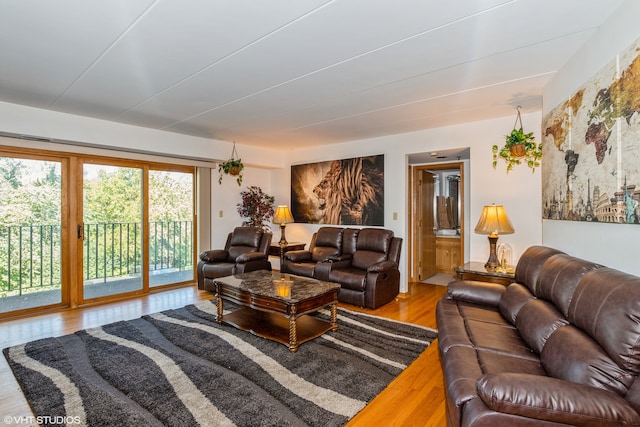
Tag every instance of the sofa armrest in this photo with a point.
(338, 258)
(382, 266)
(250, 256)
(554, 400)
(476, 292)
(298, 256)
(214, 255)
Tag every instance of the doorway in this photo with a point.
(437, 232)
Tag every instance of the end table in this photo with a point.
(476, 271)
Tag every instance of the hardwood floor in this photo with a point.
(415, 398)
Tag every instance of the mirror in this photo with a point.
(447, 202)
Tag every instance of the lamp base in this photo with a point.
(492, 262)
(283, 240)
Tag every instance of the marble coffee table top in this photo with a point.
(274, 284)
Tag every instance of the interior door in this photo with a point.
(426, 227)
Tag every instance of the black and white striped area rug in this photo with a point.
(180, 368)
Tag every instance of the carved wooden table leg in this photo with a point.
(334, 317)
(293, 331)
(219, 306)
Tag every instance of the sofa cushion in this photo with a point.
(492, 363)
(349, 278)
(498, 338)
(328, 243)
(606, 305)
(536, 322)
(349, 240)
(554, 400)
(530, 265)
(246, 236)
(513, 299)
(372, 246)
(572, 355)
(559, 278)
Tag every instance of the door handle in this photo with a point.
(81, 231)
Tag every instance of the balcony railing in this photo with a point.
(30, 258)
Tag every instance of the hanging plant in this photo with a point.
(519, 147)
(232, 167)
(256, 207)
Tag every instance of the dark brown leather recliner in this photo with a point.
(369, 276)
(364, 261)
(246, 249)
(325, 243)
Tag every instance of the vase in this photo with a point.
(518, 150)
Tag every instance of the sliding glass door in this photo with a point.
(112, 231)
(170, 227)
(30, 233)
(77, 229)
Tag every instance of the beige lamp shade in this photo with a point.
(282, 215)
(493, 220)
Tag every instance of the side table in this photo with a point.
(476, 271)
(276, 250)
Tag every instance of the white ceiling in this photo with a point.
(289, 74)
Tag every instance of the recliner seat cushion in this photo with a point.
(349, 278)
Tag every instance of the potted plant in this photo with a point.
(257, 207)
(232, 167)
(519, 147)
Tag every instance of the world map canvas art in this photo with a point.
(591, 164)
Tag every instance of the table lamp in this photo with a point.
(493, 220)
(283, 217)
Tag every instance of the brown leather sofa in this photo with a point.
(246, 249)
(364, 262)
(559, 347)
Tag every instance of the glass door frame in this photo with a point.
(71, 217)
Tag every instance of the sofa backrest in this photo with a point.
(559, 277)
(372, 246)
(530, 264)
(247, 239)
(326, 243)
(349, 239)
(582, 318)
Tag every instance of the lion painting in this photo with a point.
(342, 192)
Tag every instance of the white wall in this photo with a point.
(614, 245)
(519, 191)
(225, 198)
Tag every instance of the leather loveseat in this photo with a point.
(364, 262)
(560, 346)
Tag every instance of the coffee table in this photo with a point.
(275, 305)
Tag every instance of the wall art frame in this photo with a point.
(592, 148)
(340, 192)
